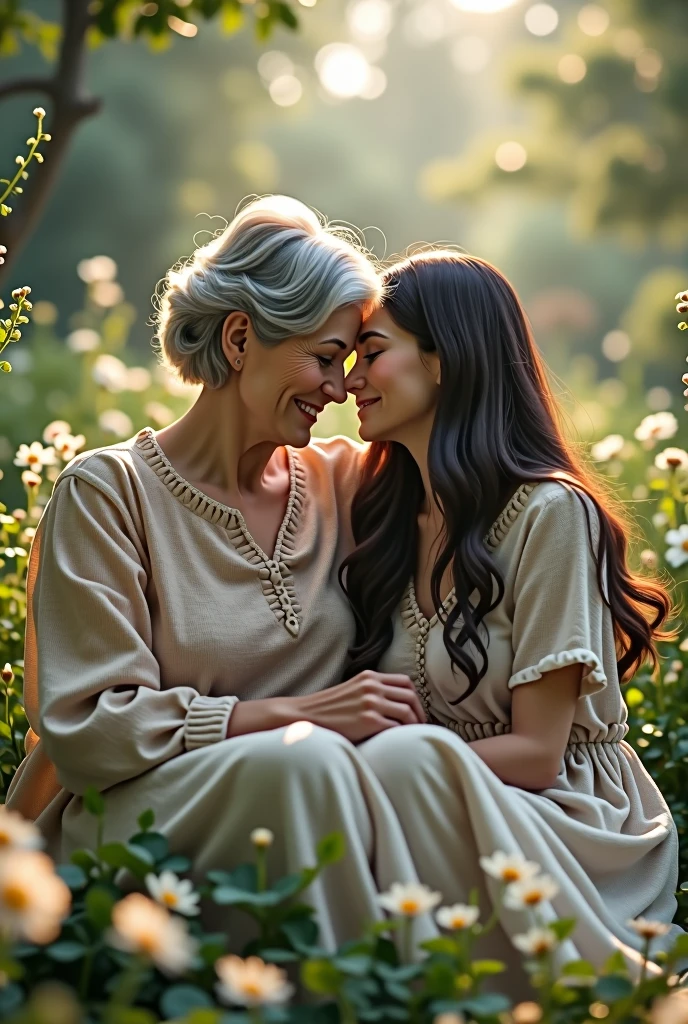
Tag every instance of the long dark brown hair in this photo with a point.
(497, 425)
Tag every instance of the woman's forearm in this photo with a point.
(260, 715)
(518, 760)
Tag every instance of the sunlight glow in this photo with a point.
(297, 731)
(343, 69)
(285, 90)
(483, 6)
(182, 28)
(369, 19)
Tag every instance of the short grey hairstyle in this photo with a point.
(279, 262)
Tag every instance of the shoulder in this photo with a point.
(339, 459)
(556, 512)
(113, 470)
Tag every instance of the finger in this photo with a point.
(404, 699)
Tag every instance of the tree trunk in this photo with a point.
(69, 108)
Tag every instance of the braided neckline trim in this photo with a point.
(216, 512)
(410, 610)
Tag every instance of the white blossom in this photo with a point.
(677, 550)
(409, 899)
(659, 426)
(607, 448)
(457, 917)
(141, 926)
(531, 892)
(509, 867)
(251, 982)
(174, 893)
(536, 941)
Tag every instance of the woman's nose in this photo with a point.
(335, 390)
(354, 380)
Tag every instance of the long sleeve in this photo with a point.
(559, 615)
(94, 695)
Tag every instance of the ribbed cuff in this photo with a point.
(207, 720)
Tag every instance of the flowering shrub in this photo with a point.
(76, 933)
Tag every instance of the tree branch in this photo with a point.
(70, 108)
(44, 85)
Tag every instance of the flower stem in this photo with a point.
(127, 989)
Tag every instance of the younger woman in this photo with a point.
(491, 568)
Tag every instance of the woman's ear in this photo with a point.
(235, 332)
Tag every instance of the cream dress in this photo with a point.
(603, 830)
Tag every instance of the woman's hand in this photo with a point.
(363, 706)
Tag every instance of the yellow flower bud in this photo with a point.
(7, 674)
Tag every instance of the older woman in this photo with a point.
(184, 607)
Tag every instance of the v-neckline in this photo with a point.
(200, 503)
(493, 537)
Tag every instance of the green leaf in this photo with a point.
(612, 987)
(301, 932)
(357, 966)
(134, 858)
(440, 945)
(487, 1004)
(321, 977)
(279, 956)
(72, 875)
(175, 863)
(179, 1000)
(155, 843)
(85, 859)
(287, 16)
(66, 952)
(11, 997)
(94, 802)
(616, 964)
(99, 903)
(289, 885)
(481, 968)
(330, 849)
(680, 946)
(582, 968)
(5, 731)
(146, 820)
(563, 927)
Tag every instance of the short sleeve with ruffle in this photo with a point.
(559, 614)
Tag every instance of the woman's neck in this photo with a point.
(213, 442)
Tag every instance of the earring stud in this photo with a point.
(237, 362)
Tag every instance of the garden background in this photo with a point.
(547, 137)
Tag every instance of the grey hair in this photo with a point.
(279, 262)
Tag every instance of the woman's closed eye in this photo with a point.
(372, 356)
(325, 361)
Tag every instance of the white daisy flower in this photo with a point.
(33, 899)
(251, 982)
(55, 428)
(31, 479)
(409, 900)
(531, 892)
(16, 833)
(677, 550)
(535, 942)
(608, 447)
(672, 458)
(173, 892)
(457, 917)
(141, 926)
(659, 426)
(262, 837)
(67, 445)
(509, 867)
(34, 456)
(648, 929)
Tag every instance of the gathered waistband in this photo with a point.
(579, 736)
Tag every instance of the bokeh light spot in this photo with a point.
(572, 69)
(593, 20)
(470, 55)
(541, 19)
(511, 156)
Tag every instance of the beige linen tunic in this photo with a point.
(151, 611)
(603, 830)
